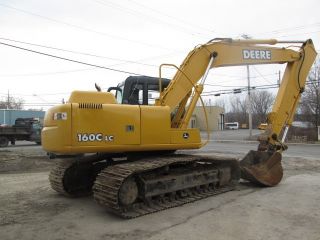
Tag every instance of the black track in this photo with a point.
(109, 181)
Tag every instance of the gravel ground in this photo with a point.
(30, 209)
(23, 158)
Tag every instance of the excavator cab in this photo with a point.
(139, 90)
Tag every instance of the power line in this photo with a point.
(294, 34)
(41, 104)
(32, 95)
(81, 53)
(169, 16)
(44, 73)
(245, 88)
(68, 59)
(83, 28)
(217, 85)
(261, 74)
(237, 78)
(291, 28)
(138, 13)
(76, 52)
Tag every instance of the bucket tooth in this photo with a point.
(262, 168)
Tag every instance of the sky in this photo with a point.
(134, 36)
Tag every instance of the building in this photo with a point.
(8, 116)
(215, 118)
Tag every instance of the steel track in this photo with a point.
(109, 181)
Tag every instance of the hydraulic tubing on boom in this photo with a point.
(229, 52)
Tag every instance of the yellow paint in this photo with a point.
(91, 97)
(156, 125)
(88, 130)
(112, 120)
(124, 128)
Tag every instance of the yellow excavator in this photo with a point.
(121, 145)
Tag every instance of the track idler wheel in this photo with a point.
(72, 179)
(262, 168)
(128, 192)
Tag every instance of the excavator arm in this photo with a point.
(262, 166)
(229, 52)
(289, 93)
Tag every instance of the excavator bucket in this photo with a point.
(262, 168)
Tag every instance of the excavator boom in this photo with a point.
(119, 146)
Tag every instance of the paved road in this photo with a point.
(294, 150)
(235, 142)
(240, 134)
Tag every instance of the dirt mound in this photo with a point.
(24, 159)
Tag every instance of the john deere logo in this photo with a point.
(185, 135)
(256, 54)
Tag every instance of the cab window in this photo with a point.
(119, 94)
(153, 93)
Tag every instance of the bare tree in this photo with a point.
(220, 103)
(310, 99)
(11, 103)
(238, 110)
(261, 103)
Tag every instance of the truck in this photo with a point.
(124, 149)
(27, 129)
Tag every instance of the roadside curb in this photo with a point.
(233, 141)
(251, 141)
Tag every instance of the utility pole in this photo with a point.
(8, 100)
(246, 36)
(249, 103)
(317, 80)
